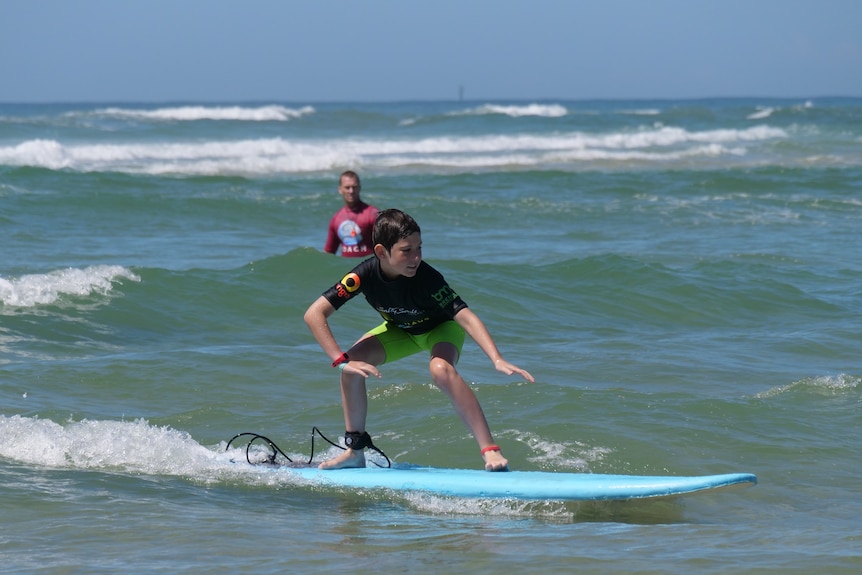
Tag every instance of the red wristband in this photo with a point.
(343, 358)
(490, 448)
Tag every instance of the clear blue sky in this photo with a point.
(374, 50)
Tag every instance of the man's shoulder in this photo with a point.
(341, 212)
(362, 210)
(337, 217)
(369, 210)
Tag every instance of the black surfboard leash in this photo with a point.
(275, 451)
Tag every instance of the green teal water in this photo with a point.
(684, 311)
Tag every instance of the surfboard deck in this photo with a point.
(534, 485)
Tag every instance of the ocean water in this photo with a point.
(681, 277)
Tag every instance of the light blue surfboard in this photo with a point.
(537, 485)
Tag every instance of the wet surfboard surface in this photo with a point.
(534, 485)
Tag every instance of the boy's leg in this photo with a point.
(354, 400)
(444, 355)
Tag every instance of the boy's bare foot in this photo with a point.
(494, 461)
(349, 459)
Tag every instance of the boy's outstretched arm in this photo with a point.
(477, 330)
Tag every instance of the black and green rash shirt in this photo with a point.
(417, 304)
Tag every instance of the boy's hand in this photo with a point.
(511, 369)
(361, 368)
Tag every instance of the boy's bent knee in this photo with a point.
(442, 372)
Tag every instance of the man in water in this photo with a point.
(351, 226)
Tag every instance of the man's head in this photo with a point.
(349, 187)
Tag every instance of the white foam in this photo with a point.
(40, 289)
(38, 153)
(135, 447)
(132, 447)
(196, 113)
(642, 112)
(447, 505)
(825, 384)
(761, 113)
(570, 456)
(283, 156)
(540, 110)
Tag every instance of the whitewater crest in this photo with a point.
(270, 113)
(40, 289)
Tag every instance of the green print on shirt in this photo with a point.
(444, 296)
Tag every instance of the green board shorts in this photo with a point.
(399, 344)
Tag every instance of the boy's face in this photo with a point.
(403, 259)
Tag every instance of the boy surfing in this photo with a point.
(421, 313)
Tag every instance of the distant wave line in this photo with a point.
(760, 114)
(197, 113)
(278, 155)
(542, 110)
